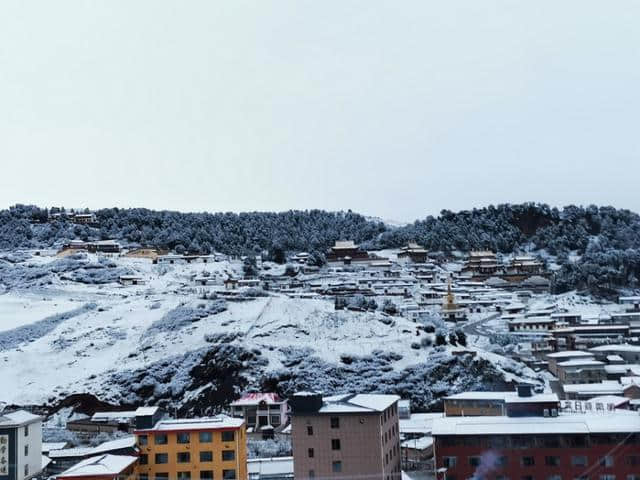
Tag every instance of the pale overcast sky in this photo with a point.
(391, 108)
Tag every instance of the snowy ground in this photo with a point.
(66, 325)
(116, 333)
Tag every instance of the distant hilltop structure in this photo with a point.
(413, 253)
(347, 252)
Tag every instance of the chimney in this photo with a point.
(305, 402)
(525, 390)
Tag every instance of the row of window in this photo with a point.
(185, 457)
(556, 477)
(229, 474)
(549, 461)
(185, 437)
(389, 413)
(540, 441)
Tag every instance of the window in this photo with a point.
(26, 430)
(501, 461)
(206, 474)
(474, 461)
(275, 420)
(310, 453)
(26, 469)
(228, 436)
(143, 459)
(336, 467)
(143, 476)
(633, 477)
(143, 440)
(579, 460)
(183, 438)
(206, 456)
(228, 474)
(450, 462)
(607, 477)
(528, 461)
(632, 460)
(312, 474)
(335, 444)
(552, 461)
(206, 437)
(554, 477)
(309, 430)
(162, 458)
(183, 457)
(526, 477)
(160, 439)
(184, 475)
(162, 476)
(26, 450)
(606, 461)
(335, 422)
(228, 455)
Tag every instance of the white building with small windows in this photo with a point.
(20, 445)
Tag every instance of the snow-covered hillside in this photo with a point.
(67, 327)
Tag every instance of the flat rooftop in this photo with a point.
(360, 403)
(195, 424)
(615, 422)
(507, 397)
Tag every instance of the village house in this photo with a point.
(522, 402)
(146, 252)
(65, 458)
(102, 467)
(632, 303)
(276, 468)
(554, 358)
(531, 324)
(580, 370)
(128, 280)
(262, 412)
(629, 353)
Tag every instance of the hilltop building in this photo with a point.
(346, 252)
(413, 253)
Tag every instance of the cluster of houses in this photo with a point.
(419, 286)
(333, 437)
(525, 433)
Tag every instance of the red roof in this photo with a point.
(255, 398)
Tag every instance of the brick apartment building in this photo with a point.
(346, 436)
(541, 445)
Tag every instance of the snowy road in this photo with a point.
(477, 327)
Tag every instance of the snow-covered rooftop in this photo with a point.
(570, 354)
(360, 403)
(256, 398)
(194, 424)
(18, 418)
(102, 465)
(501, 425)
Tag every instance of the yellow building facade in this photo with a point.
(193, 449)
